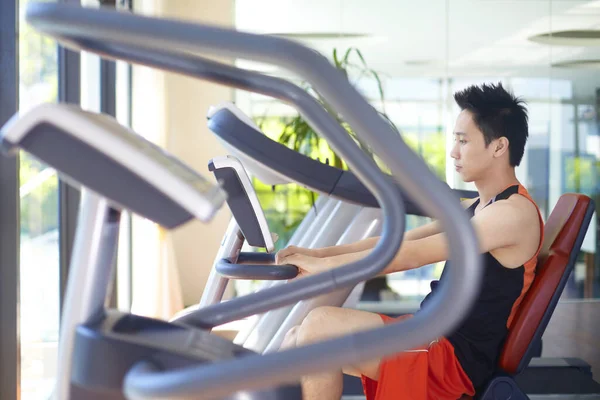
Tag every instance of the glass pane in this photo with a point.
(39, 274)
(464, 43)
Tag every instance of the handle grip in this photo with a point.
(255, 257)
(264, 272)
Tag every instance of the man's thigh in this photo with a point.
(329, 322)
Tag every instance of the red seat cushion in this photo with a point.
(560, 233)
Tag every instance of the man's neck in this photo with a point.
(494, 184)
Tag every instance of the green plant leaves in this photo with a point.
(299, 136)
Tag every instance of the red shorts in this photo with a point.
(428, 372)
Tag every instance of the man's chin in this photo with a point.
(466, 179)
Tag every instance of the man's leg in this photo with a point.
(325, 323)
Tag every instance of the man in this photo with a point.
(490, 135)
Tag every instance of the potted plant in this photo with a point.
(285, 207)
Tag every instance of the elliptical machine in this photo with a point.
(107, 354)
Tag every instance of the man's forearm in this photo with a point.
(361, 245)
(424, 231)
(403, 260)
(369, 243)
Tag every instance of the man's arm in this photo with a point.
(433, 227)
(420, 232)
(362, 245)
(498, 225)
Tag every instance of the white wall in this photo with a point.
(171, 109)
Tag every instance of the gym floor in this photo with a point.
(574, 331)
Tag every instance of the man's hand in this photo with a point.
(306, 264)
(290, 250)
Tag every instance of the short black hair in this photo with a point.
(497, 113)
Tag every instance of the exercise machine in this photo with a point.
(157, 359)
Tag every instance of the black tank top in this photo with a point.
(478, 340)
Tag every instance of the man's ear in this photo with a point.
(500, 146)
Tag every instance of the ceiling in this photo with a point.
(438, 38)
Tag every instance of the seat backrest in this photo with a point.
(563, 234)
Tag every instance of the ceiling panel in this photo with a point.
(434, 37)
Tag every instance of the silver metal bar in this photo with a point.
(90, 273)
(230, 248)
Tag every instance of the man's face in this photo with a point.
(471, 157)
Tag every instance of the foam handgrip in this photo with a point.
(264, 272)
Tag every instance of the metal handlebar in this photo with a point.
(264, 270)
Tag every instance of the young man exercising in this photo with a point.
(490, 135)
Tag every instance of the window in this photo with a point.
(39, 252)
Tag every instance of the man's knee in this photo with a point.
(321, 315)
(316, 325)
(290, 339)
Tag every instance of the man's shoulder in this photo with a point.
(506, 223)
(523, 203)
(519, 206)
